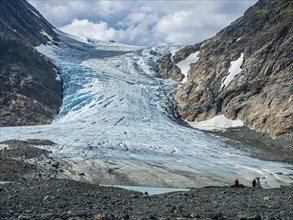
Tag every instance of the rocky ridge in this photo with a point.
(261, 94)
(29, 91)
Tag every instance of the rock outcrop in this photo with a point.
(29, 91)
(261, 94)
(167, 68)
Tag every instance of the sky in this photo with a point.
(145, 23)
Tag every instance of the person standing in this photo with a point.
(253, 183)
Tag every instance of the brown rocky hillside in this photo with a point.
(261, 95)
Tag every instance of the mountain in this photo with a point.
(244, 72)
(116, 124)
(29, 91)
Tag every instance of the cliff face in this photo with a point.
(167, 68)
(245, 72)
(29, 91)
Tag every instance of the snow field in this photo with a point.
(218, 122)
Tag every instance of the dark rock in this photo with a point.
(216, 216)
(255, 217)
(168, 70)
(29, 93)
(55, 164)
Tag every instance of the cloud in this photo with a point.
(62, 12)
(86, 28)
(143, 22)
(110, 8)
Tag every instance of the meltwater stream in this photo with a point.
(116, 127)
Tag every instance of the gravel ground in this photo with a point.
(23, 160)
(35, 193)
(260, 145)
(67, 199)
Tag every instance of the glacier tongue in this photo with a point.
(116, 126)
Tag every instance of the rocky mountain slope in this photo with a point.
(29, 91)
(244, 72)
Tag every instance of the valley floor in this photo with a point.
(67, 199)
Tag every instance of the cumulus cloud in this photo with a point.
(143, 22)
(62, 12)
(86, 28)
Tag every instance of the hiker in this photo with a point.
(257, 182)
(253, 183)
(237, 184)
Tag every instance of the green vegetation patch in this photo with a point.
(282, 19)
(288, 12)
(262, 12)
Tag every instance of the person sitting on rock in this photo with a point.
(236, 184)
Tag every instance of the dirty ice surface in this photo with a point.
(234, 70)
(116, 125)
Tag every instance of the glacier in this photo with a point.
(116, 125)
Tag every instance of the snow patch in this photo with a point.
(184, 65)
(47, 35)
(219, 122)
(173, 51)
(34, 13)
(47, 50)
(234, 70)
(58, 77)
